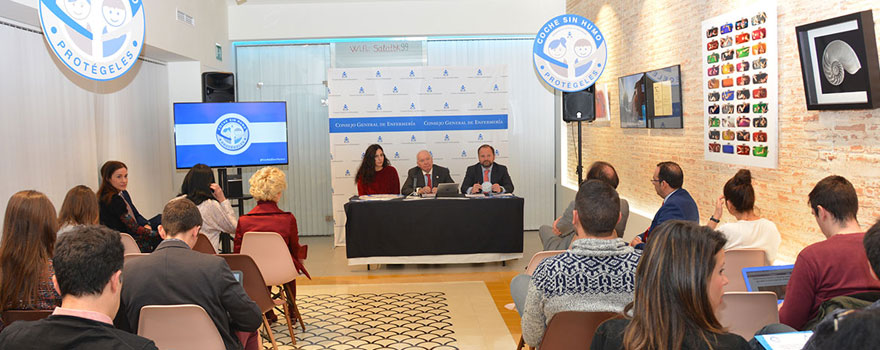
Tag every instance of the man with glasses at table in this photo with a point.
(677, 202)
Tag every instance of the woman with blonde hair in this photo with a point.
(679, 283)
(267, 184)
(80, 207)
(26, 250)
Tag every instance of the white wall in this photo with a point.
(330, 19)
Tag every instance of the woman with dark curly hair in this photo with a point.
(376, 175)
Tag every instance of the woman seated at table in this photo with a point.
(117, 212)
(267, 184)
(80, 207)
(750, 230)
(26, 250)
(376, 175)
(217, 214)
(675, 298)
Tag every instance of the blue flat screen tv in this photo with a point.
(230, 134)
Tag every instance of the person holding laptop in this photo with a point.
(834, 267)
(425, 177)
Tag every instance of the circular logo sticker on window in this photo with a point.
(97, 39)
(570, 53)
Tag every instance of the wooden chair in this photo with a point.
(538, 258)
(256, 288)
(185, 326)
(573, 330)
(744, 313)
(10, 316)
(203, 245)
(130, 257)
(272, 257)
(129, 243)
(737, 259)
(530, 269)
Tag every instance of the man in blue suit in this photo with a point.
(677, 202)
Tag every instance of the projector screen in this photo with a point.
(230, 134)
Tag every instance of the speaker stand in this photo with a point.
(224, 181)
(580, 167)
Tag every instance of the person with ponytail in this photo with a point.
(679, 283)
(750, 230)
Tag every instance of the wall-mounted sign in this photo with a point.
(97, 39)
(570, 53)
(388, 53)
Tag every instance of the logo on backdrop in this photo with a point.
(233, 133)
(97, 39)
(570, 53)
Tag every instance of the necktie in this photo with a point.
(428, 175)
(486, 175)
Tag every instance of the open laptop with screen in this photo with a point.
(448, 190)
(239, 276)
(768, 279)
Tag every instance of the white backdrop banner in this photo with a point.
(449, 111)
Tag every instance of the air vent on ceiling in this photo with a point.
(185, 18)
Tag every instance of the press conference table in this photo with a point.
(434, 231)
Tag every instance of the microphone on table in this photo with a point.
(415, 190)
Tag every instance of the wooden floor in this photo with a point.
(498, 284)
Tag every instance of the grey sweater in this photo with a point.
(595, 275)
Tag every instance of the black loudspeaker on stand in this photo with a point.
(579, 106)
(218, 87)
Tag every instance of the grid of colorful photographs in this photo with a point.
(740, 87)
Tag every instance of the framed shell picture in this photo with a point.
(839, 62)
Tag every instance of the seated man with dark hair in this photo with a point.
(175, 274)
(88, 268)
(558, 236)
(834, 267)
(596, 274)
(677, 202)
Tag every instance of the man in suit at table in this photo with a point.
(425, 177)
(486, 171)
(677, 202)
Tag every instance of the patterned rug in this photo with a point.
(412, 316)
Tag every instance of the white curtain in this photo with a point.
(58, 128)
(531, 120)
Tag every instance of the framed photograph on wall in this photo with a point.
(663, 93)
(839, 62)
(633, 103)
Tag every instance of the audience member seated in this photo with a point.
(175, 274)
(834, 267)
(750, 230)
(558, 236)
(217, 214)
(118, 212)
(486, 171)
(679, 284)
(825, 334)
(424, 178)
(596, 275)
(376, 175)
(267, 185)
(26, 249)
(80, 207)
(88, 265)
(677, 202)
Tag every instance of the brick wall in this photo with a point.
(645, 35)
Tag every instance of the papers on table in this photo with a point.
(380, 197)
(784, 341)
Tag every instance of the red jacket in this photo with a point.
(267, 217)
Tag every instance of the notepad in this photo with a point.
(785, 341)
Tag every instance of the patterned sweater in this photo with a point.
(595, 275)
